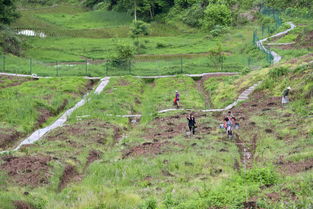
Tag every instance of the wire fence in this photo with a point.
(267, 30)
(140, 66)
(152, 65)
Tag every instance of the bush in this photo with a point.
(278, 72)
(124, 55)
(193, 16)
(161, 45)
(11, 42)
(216, 14)
(149, 204)
(218, 30)
(263, 176)
(299, 12)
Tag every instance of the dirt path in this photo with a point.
(205, 94)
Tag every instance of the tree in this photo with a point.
(8, 12)
(139, 28)
(217, 14)
(216, 56)
(9, 41)
(124, 55)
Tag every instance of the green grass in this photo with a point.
(87, 20)
(160, 94)
(76, 34)
(21, 105)
(12, 81)
(203, 168)
(122, 96)
(222, 90)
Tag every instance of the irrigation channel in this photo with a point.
(35, 136)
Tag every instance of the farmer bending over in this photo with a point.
(285, 99)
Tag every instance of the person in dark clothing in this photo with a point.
(285, 99)
(191, 123)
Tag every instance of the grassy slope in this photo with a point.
(122, 96)
(197, 172)
(22, 105)
(160, 94)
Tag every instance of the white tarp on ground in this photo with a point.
(35, 136)
(31, 33)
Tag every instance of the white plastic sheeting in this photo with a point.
(35, 136)
(31, 33)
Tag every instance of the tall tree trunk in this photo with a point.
(135, 10)
(151, 12)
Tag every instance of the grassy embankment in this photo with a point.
(153, 164)
(35, 103)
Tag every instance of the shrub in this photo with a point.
(218, 30)
(124, 55)
(193, 16)
(149, 204)
(161, 45)
(11, 42)
(278, 72)
(263, 176)
(216, 14)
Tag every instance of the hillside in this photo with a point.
(87, 116)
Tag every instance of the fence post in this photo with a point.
(86, 67)
(30, 66)
(3, 63)
(254, 37)
(106, 69)
(57, 66)
(262, 31)
(181, 65)
(129, 67)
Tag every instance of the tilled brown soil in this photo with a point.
(290, 168)
(19, 204)
(91, 130)
(27, 170)
(259, 104)
(149, 148)
(70, 174)
(8, 137)
(172, 126)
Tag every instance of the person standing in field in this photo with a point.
(285, 99)
(177, 98)
(191, 123)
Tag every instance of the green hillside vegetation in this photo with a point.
(150, 165)
(100, 159)
(33, 104)
(77, 34)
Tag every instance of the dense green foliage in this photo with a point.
(8, 11)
